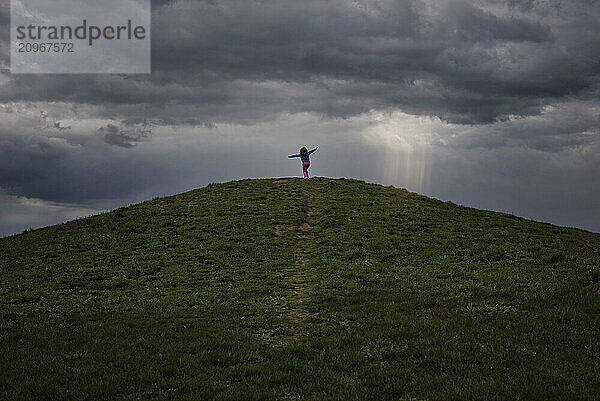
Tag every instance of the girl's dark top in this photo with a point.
(305, 158)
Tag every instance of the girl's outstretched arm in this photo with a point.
(310, 151)
(290, 156)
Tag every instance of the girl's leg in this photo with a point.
(305, 167)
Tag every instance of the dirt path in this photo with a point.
(296, 274)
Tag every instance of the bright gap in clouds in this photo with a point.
(19, 213)
(405, 141)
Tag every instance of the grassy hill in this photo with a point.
(294, 289)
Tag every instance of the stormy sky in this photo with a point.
(492, 104)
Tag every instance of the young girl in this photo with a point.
(304, 156)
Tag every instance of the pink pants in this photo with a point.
(305, 167)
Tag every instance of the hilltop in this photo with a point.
(300, 289)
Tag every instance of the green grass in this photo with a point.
(301, 289)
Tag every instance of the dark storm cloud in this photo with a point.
(454, 60)
(473, 24)
(568, 125)
(4, 15)
(126, 138)
(53, 169)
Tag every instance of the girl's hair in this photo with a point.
(303, 151)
